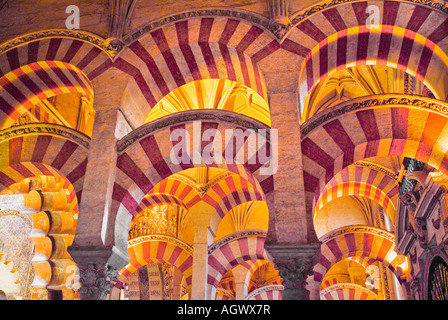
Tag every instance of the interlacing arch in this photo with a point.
(223, 195)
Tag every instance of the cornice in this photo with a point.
(177, 118)
(357, 229)
(108, 46)
(161, 237)
(45, 128)
(235, 236)
(225, 12)
(376, 167)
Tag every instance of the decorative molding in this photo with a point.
(376, 167)
(161, 237)
(235, 236)
(373, 101)
(167, 121)
(278, 28)
(357, 229)
(111, 49)
(45, 128)
(239, 14)
(299, 17)
(279, 17)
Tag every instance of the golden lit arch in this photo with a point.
(214, 94)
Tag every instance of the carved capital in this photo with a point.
(295, 264)
(98, 269)
(96, 280)
(294, 271)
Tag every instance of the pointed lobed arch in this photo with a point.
(144, 158)
(380, 125)
(356, 180)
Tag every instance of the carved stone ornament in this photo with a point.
(294, 271)
(410, 201)
(96, 281)
(85, 36)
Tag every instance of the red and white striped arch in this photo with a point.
(361, 181)
(35, 152)
(145, 251)
(146, 161)
(194, 49)
(348, 291)
(83, 55)
(410, 37)
(49, 65)
(22, 88)
(268, 292)
(381, 125)
(222, 196)
(418, 56)
(370, 243)
(245, 251)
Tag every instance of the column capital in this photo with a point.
(98, 269)
(295, 263)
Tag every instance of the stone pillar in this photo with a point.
(291, 240)
(93, 248)
(288, 221)
(240, 275)
(93, 224)
(200, 215)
